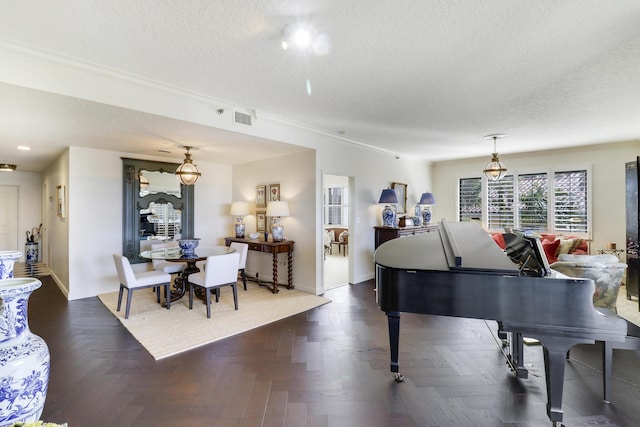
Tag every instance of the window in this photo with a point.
(555, 201)
(570, 203)
(470, 200)
(336, 205)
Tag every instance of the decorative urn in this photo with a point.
(24, 356)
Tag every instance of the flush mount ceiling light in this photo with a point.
(6, 167)
(305, 38)
(187, 173)
(495, 170)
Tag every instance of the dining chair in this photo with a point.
(167, 266)
(219, 271)
(242, 249)
(146, 279)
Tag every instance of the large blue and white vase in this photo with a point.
(24, 356)
(7, 260)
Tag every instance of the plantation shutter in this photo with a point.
(532, 201)
(500, 204)
(571, 201)
(470, 199)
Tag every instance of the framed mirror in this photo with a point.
(156, 207)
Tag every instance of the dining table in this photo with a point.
(175, 254)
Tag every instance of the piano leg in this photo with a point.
(607, 362)
(555, 353)
(393, 318)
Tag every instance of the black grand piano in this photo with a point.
(460, 271)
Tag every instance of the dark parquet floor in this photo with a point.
(328, 367)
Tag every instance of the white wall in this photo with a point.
(295, 174)
(607, 178)
(81, 244)
(56, 238)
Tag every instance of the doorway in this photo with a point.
(8, 218)
(336, 220)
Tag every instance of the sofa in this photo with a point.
(554, 244)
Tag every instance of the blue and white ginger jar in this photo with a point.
(24, 356)
(7, 260)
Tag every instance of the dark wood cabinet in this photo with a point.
(633, 262)
(387, 233)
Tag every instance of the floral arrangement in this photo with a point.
(38, 424)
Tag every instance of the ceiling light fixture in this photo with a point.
(304, 37)
(6, 167)
(187, 173)
(495, 170)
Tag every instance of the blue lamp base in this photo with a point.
(388, 216)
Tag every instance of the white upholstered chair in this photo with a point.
(219, 271)
(242, 249)
(146, 279)
(167, 266)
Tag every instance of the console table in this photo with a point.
(387, 233)
(274, 248)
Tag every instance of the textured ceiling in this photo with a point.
(418, 78)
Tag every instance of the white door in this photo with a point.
(8, 218)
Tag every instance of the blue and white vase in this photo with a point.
(388, 216)
(426, 215)
(31, 252)
(7, 260)
(24, 356)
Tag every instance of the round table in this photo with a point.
(176, 255)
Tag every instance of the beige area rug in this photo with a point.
(627, 308)
(167, 332)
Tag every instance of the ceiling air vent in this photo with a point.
(242, 118)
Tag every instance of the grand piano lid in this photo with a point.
(456, 246)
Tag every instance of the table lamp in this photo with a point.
(239, 210)
(426, 199)
(389, 198)
(276, 210)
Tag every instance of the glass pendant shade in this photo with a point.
(495, 170)
(187, 173)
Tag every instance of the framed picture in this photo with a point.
(261, 196)
(261, 221)
(274, 192)
(401, 193)
(60, 201)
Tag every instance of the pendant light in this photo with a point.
(187, 173)
(495, 170)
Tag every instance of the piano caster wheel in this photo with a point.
(398, 377)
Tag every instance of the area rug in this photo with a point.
(627, 308)
(168, 332)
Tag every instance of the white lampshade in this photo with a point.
(279, 208)
(239, 208)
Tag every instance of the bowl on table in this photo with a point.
(188, 246)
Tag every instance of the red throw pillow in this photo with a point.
(550, 249)
(499, 239)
